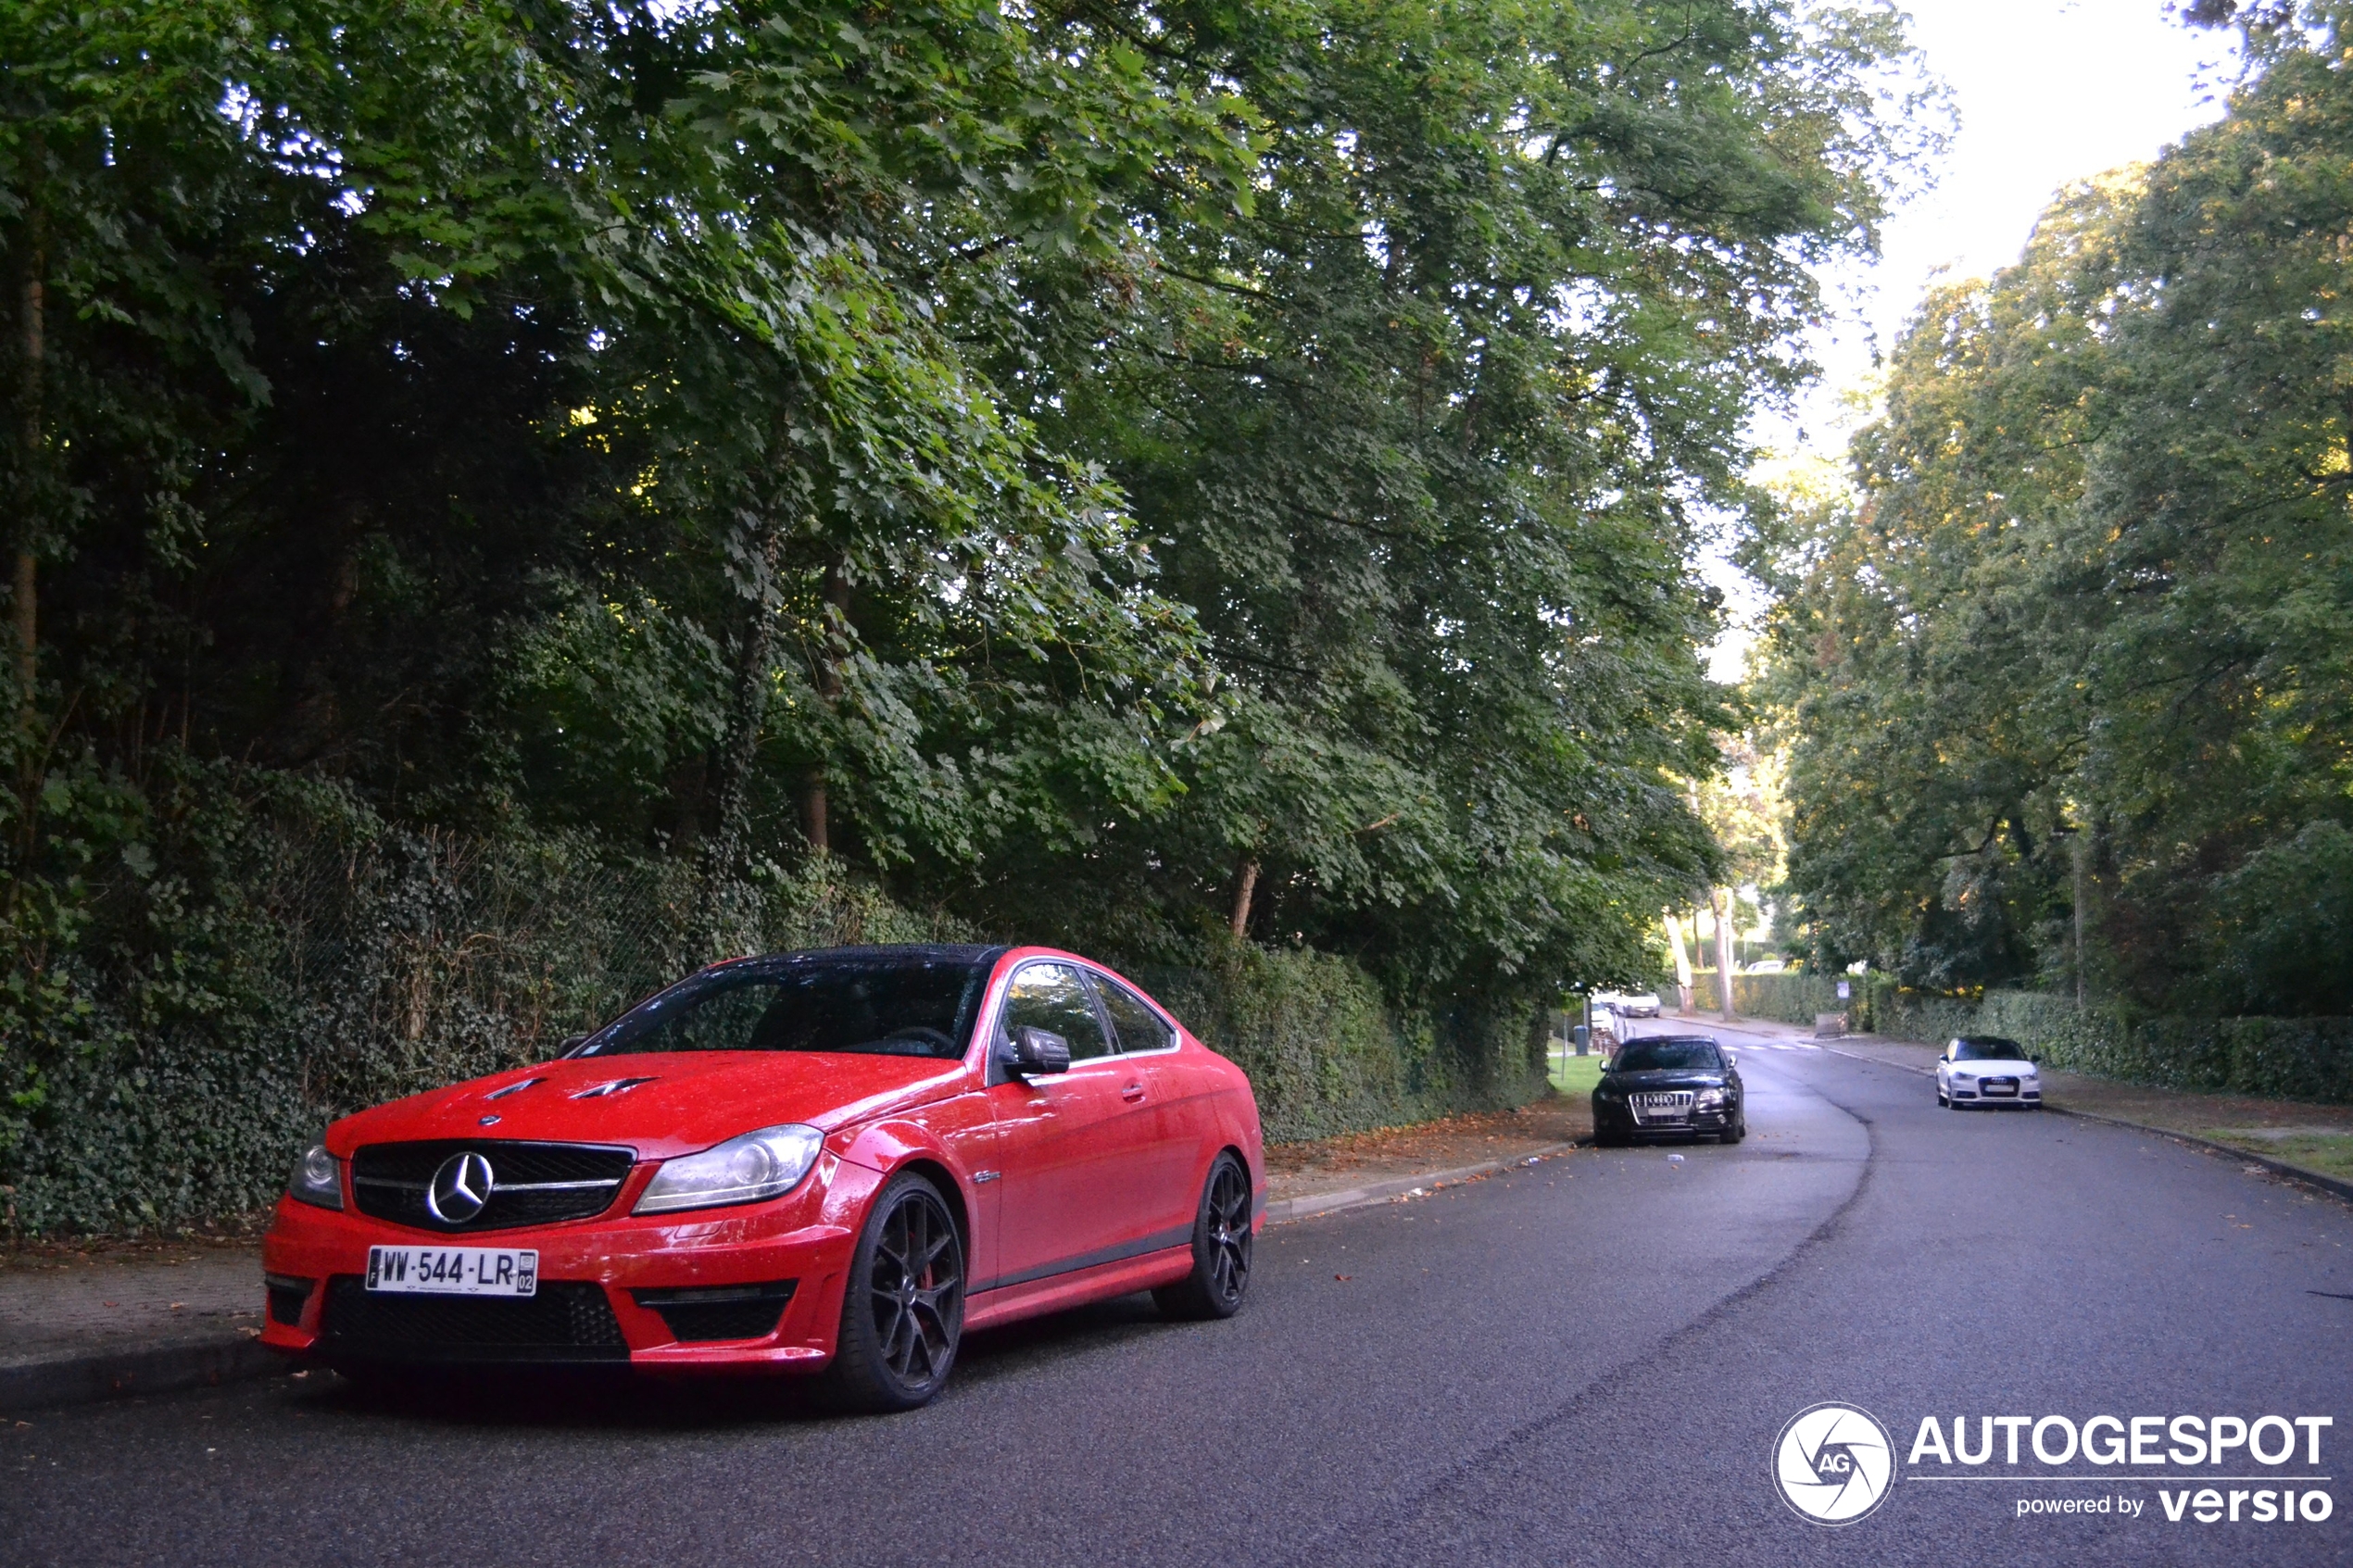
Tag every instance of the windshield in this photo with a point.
(881, 1004)
(1988, 1049)
(1652, 1056)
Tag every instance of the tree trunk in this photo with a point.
(1242, 892)
(1682, 960)
(1719, 901)
(723, 850)
(25, 606)
(2075, 855)
(815, 806)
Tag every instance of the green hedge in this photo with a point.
(1325, 1053)
(2305, 1058)
(159, 1071)
(1787, 998)
(2308, 1059)
(320, 967)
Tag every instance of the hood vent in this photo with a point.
(514, 1089)
(609, 1088)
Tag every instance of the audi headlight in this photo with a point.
(1709, 1099)
(767, 1163)
(318, 1178)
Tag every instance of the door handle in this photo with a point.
(1132, 1093)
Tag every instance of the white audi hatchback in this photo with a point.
(1987, 1070)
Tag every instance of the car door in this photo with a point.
(1065, 1198)
(1172, 1132)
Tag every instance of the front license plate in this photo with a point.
(454, 1271)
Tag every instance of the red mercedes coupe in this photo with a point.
(830, 1162)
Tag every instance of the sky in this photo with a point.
(2047, 91)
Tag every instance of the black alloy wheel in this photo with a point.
(1222, 1242)
(902, 1314)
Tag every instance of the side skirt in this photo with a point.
(1007, 1303)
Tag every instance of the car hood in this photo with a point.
(686, 1100)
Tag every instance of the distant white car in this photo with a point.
(1987, 1070)
(1628, 1004)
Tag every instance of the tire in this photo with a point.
(1737, 1129)
(1941, 1101)
(1222, 1244)
(903, 1313)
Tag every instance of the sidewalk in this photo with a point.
(102, 1320)
(98, 1320)
(2307, 1143)
(1331, 1174)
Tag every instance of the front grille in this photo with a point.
(1661, 1105)
(727, 1311)
(566, 1321)
(532, 1184)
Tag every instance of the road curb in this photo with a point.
(2334, 1187)
(117, 1374)
(1291, 1209)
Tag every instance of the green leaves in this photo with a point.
(2083, 633)
(1065, 451)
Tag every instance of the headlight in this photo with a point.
(1711, 1099)
(318, 1178)
(1964, 1077)
(757, 1165)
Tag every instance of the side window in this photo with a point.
(1139, 1028)
(1051, 995)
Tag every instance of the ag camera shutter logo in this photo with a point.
(1834, 1463)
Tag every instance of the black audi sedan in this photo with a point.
(1669, 1087)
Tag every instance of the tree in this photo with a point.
(2074, 643)
(1423, 433)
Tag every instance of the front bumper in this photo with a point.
(1619, 1122)
(610, 1293)
(1971, 1094)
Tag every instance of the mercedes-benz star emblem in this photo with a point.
(458, 1189)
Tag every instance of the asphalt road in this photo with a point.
(1586, 1361)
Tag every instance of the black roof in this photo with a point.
(919, 952)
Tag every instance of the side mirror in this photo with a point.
(1038, 1050)
(1731, 1056)
(572, 1043)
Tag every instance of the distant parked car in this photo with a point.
(1628, 1004)
(1768, 966)
(1671, 1085)
(1987, 1070)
